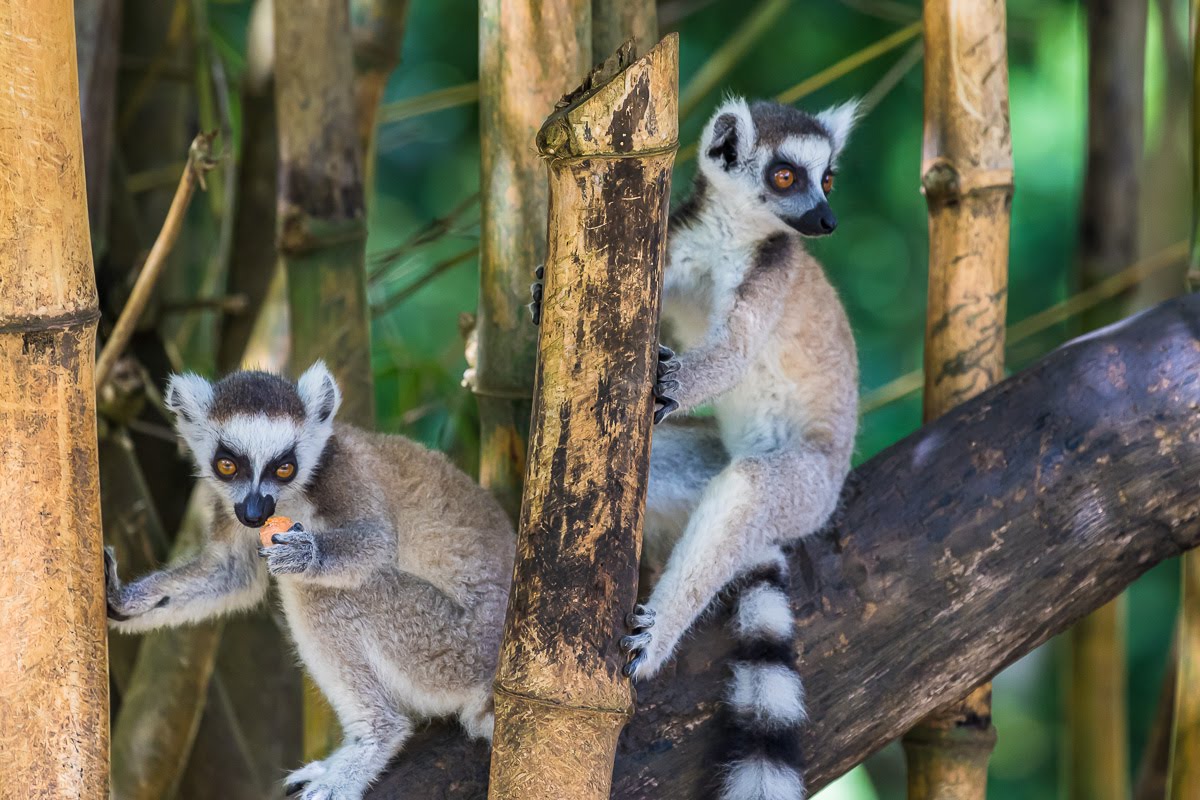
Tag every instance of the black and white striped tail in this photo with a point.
(761, 750)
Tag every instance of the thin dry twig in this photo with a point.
(200, 160)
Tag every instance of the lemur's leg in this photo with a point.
(685, 455)
(340, 557)
(221, 578)
(478, 716)
(753, 504)
(374, 730)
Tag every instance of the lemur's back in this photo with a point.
(441, 515)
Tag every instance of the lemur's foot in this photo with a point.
(665, 386)
(121, 603)
(296, 783)
(535, 292)
(291, 552)
(637, 644)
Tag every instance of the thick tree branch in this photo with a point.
(959, 550)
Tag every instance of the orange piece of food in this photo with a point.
(273, 526)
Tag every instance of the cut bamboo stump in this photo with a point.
(322, 229)
(530, 54)
(54, 693)
(967, 180)
(561, 699)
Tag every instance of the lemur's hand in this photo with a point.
(291, 552)
(535, 291)
(125, 602)
(665, 386)
(635, 645)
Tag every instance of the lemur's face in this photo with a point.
(255, 436)
(778, 159)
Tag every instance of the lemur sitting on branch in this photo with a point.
(394, 586)
(765, 339)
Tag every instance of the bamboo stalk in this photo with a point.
(200, 160)
(54, 696)
(322, 228)
(967, 182)
(530, 54)
(377, 29)
(437, 100)
(1043, 320)
(561, 699)
(1097, 757)
(616, 21)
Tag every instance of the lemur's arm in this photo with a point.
(343, 556)
(221, 578)
(721, 362)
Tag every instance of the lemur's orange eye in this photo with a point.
(827, 182)
(226, 468)
(783, 178)
(285, 471)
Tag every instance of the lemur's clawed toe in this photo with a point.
(535, 291)
(634, 645)
(665, 386)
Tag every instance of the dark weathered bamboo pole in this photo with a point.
(254, 260)
(1097, 756)
(1060, 486)
(322, 226)
(97, 39)
(561, 700)
(377, 29)
(616, 21)
(530, 54)
(54, 694)
(967, 181)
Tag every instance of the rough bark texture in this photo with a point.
(958, 550)
(322, 228)
(530, 54)
(54, 695)
(1097, 742)
(561, 700)
(616, 21)
(966, 176)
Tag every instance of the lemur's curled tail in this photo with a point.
(761, 755)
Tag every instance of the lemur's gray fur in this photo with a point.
(765, 340)
(394, 589)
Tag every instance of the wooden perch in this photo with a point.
(959, 550)
(610, 146)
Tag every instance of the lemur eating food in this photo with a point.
(394, 584)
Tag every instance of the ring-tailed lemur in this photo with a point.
(765, 339)
(394, 586)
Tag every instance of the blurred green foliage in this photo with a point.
(429, 165)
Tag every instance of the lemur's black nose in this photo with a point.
(828, 221)
(255, 509)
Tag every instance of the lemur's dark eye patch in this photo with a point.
(226, 464)
(282, 468)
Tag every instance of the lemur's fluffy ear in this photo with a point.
(188, 396)
(839, 120)
(728, 137)
(319, 393)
